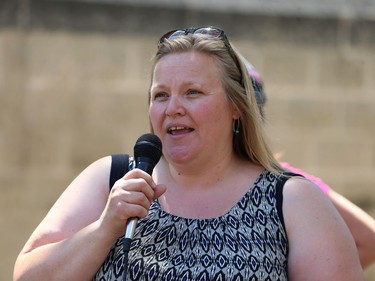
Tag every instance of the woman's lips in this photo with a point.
(175, 130)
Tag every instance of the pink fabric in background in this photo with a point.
(323, 186)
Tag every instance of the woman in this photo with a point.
(221, 212)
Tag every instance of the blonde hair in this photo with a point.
(250, 143)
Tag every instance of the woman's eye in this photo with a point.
(193, 92)
(160, 95)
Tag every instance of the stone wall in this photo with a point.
(73, 88)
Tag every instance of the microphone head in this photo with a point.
(148, 145)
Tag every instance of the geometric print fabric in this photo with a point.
(247, 243)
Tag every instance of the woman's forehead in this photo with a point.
(187, 64)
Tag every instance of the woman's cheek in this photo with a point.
(155, 119)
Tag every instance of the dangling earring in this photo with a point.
(236, 126)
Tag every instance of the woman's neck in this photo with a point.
(198, 174)
(195, 193)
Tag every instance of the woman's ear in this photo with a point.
(235, 115)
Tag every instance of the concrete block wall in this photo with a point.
(69, 95)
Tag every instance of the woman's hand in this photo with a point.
(130, 197)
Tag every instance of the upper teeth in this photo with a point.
(176, 128)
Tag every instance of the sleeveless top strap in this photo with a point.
(279, 192)
(119, 167)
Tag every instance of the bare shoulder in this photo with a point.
(86, 195)
(89, 189)
(298, 188)
(306, 204)
(320, 244)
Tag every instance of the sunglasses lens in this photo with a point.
(214, 32)
(173, 34)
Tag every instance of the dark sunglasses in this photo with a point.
(208, 31)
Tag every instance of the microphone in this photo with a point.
(147, 153)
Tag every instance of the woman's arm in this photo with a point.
(361, 225)
(67, 238)
(320, 244)
(75, 237)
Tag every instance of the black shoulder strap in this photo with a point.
(119, 167)
(279, 192)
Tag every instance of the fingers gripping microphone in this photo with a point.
(147, 153)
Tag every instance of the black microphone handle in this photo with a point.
(145, 164)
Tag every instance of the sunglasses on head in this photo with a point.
(208, 31)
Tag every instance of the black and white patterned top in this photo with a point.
(247, 243)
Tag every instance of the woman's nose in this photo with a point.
(174, 106)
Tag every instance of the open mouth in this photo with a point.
(179, 130)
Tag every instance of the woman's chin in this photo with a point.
(178, 156)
